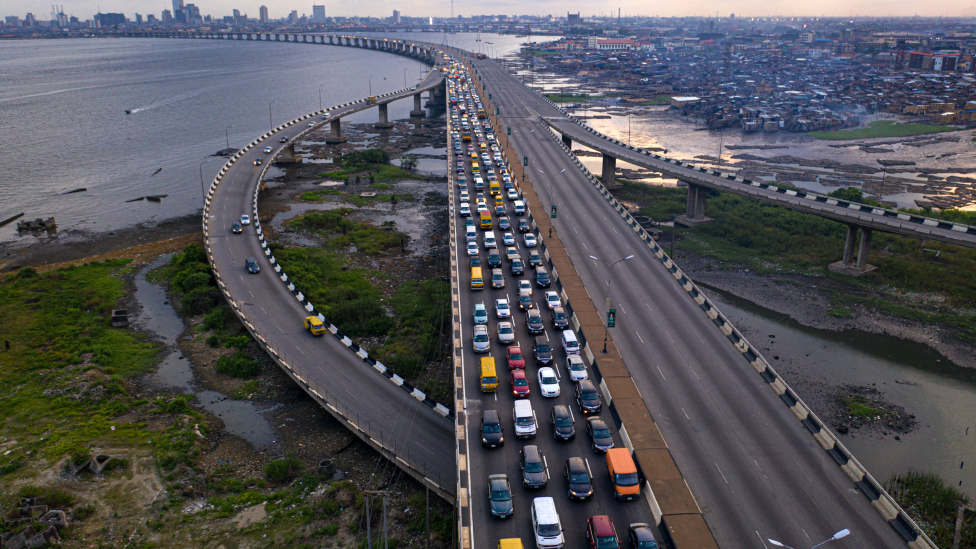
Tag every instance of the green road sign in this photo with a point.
(612, 318)
(553, 211)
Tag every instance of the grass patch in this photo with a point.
(841, 312)
(883, 128)
(280, 470)
(567, 97)
(343, 233)
(355, 199)
(858, 406)
(247, 390)
(238, 365)
(656, 100)
(932, 503)
(374, 162)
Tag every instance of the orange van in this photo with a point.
(623, 474)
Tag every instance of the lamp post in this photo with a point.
(842, 534)
(320, 96)
(405, 77)
(202, 190)
(371, 85)
(227, 135)
(270, 118)
(606, 329)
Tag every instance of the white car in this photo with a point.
(505, 332)
(472, 248)
(482, 207)
(512, 195)
(524, 287)
(552, 300)
(502, 309)
(490, 241)
(480, 340)
(267, 150)
(464, 210)
(548, 382)
(465, 197)
(575, 368)
(310, 124)
(508, 239)
(245, 219)
(530, 241)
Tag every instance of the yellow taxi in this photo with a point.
(314, 325)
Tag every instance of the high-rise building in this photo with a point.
(237, 17)
(396, 17)
(293, 17)
(138, 19)
(167, 17)
(12, 21)
(109, 19)
(151, 20)
(573, 18)
(29, 20)
(318, 14)
(263, 15)
(192, 14)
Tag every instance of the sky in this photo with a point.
(425, 8)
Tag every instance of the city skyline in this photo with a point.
(442, 8)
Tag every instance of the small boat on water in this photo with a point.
(128, 111)
(156, 197)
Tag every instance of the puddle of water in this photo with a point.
(940, 394)
(436, 166)
(240, 418)
(429, 151)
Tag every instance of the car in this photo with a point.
(600, 438)
(474, 261)
(267, 150)
(517, 268)
(542, 350)
(530, 241)
(505, 332)
(523, 226)
(502, 309)
(490, 241)
(535, 260)
(520, 384)
(525, 302)
(504, 224)
(512, 195)
(508, 239)
(480, 341)
(245, 219)
(283, 140)
(499, 211)
(311, 124)
(315, 326)
(464, 210)
(465, 197)
(516, 360)
(524, 287)
(494, 259)
(548, 382)
(575, 368)
(588, 398)
(560, 320)
(533, 321)
(473, 248)
(236, 228)
(579, 481)
(552, 300)
(482, 207)
(535, 473)
(492, 434)
(542, 279)
(469, 222)
(641, 536)
(412, 88)
(251, 265)
(480, 314)
(500, 496)
(563, 423)
(601, 534)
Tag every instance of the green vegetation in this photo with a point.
(343, 233)
(376, 164)
(771, 239)
(543, 53)
(859, 406)
(567, 97)
(657, 100)
(280, 470)
(238, 365)
(247, 390)
(355, 199)
(883, 128)
(933, 505)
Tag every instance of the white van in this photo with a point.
(471, 233)
(526, 424)
(545, 524)
(570, 343)
(519, 207)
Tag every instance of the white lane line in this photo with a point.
(639, 337)
(265, 312)
(584, 245)
(685, 413)
(721, 473)
(300, 350)
(762, 540)
(279, 329)
(575, 231)
(662, 373)
(252, 293)
(547, 335)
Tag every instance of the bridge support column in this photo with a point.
(695, 208)
(418, 109)
(567, 141)
(336, 136)
(288, 156)
(847, 264)
(384, 122)
(608, 176)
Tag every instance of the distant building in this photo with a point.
(237, 18)
(396, 17)
(12, 21)
(29, 20)
(167, 17)
(612, 44)
(151, 20)
(263, 15)
(684, 101)
(293, 17)
(573, 18)
(318, 14)
(109, 19)
(138, 19)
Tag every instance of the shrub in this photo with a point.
(26, 272)
(193, 253)
(217, 319)
(54, 498)
(196, 280)
(367, 156)
(199, 300)
(361, 317)
(213, 340)
(238, 365)
(179, 405)
(280, 470)
(238, 342)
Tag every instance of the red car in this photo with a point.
(520, 384)
(515, 359)
(601, 534)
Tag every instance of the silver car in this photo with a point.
(506, 332)
(481, 341)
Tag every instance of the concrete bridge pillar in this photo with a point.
(288, 156)
(608, 176)
(847, 264)
(567, 141)
(384, 122)
(695, 208)
(418, 109)
(336, 136)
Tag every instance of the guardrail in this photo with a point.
(876, 494)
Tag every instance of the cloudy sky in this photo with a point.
(383, 8)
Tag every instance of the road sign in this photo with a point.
(612, 318)
(553, 211)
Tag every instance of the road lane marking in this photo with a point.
(252, 293)
(723, 475)
(265, 312)
(300, 350)
(279, 329)
(640, 338)
(685, 413)
(762, 540)
(662, 373)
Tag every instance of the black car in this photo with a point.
(535, 259)
(252, 265)
(500, 496)
(257, 161)
(559, 319)
(283, 140)
(543, 352)
(517, 268)
(494, 259)
(523, 226)
(600, 436)
(641, 536)
(504, 224)
(535, 474)
(525, 302)
(587, 397)
(236, 228)
(492, 434)
(577, 475)
(475, 261)
(542, 279)
(561, 419)
(533, 320)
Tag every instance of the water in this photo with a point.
(241, 418)
(940, 394)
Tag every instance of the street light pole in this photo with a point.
(371, 85)
(405, 78)
(842, 534)
(270, 118)
(227, 135)
(320, 96)
(606, 325)
(203, 191)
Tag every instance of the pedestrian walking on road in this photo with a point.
(550, 231)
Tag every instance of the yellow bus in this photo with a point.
(475, 166)
(477, 281)
(481, 114)
(495, 189)
(485, 219)
(489, 378)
